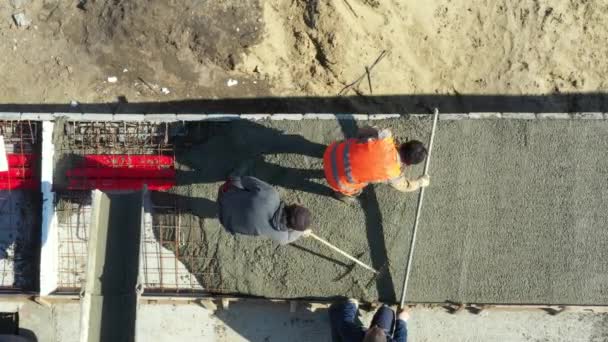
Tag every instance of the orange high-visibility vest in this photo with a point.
(352, 164)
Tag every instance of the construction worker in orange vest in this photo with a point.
(373, 157)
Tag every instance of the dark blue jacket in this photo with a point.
(250, 206)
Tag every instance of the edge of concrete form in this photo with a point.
(49, 242)
(222, 302)
(169, 117)
(109, 304)
(49, 248)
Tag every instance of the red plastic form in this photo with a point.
(123, 172)
(19, 174)
(130, 161)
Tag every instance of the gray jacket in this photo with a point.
(253, 207)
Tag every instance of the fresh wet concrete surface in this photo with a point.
(515, 213)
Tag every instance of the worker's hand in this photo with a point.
(307, 233)
(424, 181)
(404, 315)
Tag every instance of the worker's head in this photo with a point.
(412, 152)
(298, 217)
(375, 334)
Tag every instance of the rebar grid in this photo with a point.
(171, 262)
(18, 213)
(116, 138)
(173, 258)
(129, 145)
(73, 211)
(19, 136)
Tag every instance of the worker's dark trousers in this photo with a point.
(345, 329)
(384, 318)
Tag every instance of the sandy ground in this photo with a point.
(267, 322)
(514, 213)
(298, 48)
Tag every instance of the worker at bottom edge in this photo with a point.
(372, 157)
(250, 206)
(384, 327)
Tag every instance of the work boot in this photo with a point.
(350, 200)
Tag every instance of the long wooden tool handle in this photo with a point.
(338, 250)
(410, 256)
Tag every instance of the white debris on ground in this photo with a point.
(21, 20)
(231, 82)
(165, 91)
(112, 79)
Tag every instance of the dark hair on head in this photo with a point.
(412, 152)
(298, 217)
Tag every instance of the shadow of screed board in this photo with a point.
(110, 299)
(515, 213)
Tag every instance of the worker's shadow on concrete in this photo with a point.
(258, 321)
(28, 335)
(198, 206)
(375, 231)
(211, 151)
(19, 242)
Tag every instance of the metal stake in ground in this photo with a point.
(338, 250)
(410, 256)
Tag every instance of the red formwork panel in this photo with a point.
(16, 173)
(19, 160)
(122, 172)
(20, 174)
(129, 161)
(18, 184)
(93, 172)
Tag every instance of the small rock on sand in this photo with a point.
(21, 20)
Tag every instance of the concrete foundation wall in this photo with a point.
(479, 241)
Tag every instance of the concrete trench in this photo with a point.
(514, 214)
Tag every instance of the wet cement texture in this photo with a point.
(515, 213)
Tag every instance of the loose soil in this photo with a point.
(298, 48)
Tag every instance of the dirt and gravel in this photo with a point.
(514, 213)
(298, 48)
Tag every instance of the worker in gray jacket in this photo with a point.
(250, 206)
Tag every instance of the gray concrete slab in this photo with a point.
(515, 213)
(273, 322)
